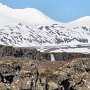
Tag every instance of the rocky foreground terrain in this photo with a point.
(29, 69)
(26, 74)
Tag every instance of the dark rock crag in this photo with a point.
(32, 53)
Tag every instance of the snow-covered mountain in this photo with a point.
(29, 27)
(27, 15)
(84, 21)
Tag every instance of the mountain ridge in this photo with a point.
(5, 9)
(85, 21)
(26, 14)
(39, 30)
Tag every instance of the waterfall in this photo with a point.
(52, 57)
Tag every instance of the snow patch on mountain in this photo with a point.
(36, 35)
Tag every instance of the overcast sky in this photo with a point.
(60, 10)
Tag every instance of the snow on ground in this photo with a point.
(74, 50)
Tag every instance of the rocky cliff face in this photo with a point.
(32, 53)
(69, 56)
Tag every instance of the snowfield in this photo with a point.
(31, 28)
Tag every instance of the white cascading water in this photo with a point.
(52, 57)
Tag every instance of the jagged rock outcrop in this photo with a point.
(30, 53)
(69, 56)
(74, 75)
